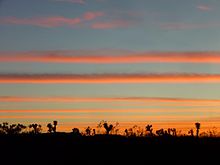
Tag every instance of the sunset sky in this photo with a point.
(127, 61)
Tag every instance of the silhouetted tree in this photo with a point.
(160, 132)
(115, 128)
(88, 131)
(50, 127)
(126, 132)
(36, 128)
(99, 126)
(140, 131)
(149, 129)
(197, 129)
(55, 126)
(212, 132)
(5, 128)
(173, 130)
(107, 127)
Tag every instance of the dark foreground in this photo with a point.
(67, 149)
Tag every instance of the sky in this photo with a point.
(134, 62)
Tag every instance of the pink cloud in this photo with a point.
(82, 2)
(182, 26)
(92, 15)
(112, 24)
(53, 21)
(204, 7)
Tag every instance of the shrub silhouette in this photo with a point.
(5, 128)
(172, 131)
(126, 132)
(140, 131)
(191, 132)
(36, 128)
(160, 132)
(115, 128)
(197, 129)
(76, 132)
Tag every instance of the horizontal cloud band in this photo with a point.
(101, 57)
(112, 99)
(109, 78)
(96, 57)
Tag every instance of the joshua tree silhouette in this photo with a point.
(55, 126)
(5, 128)
(107, 128)
(52, 128)
(149, 129)
(88, 131)
(197, 129)
(36, 128)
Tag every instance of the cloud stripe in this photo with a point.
(109, 117)
(108, 78)
(110, 57)
(52, 21)
(113, 24)
(114, 111)
(81, 2)
(204, 7)
(113, 99)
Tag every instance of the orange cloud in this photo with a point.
(114, 111)
(53, 21)
(109, 57)
(109, 78)
(123, 118)
(157, 100)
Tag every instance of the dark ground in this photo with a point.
(67, 149)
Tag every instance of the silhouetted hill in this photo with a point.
(64, 148)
